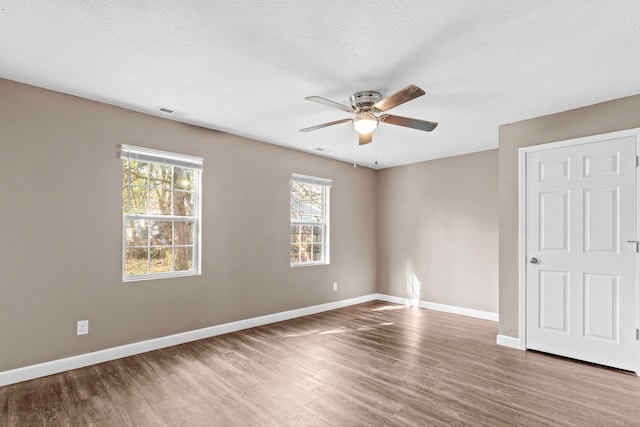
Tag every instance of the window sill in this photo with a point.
(308, 264)
(142, 277)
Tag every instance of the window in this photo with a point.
(309, 220)
(160, 214)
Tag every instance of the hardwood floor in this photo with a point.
(372, 364)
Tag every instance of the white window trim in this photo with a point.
(326, 183)
(311, 179)
(128, 152)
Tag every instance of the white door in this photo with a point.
(581, 271)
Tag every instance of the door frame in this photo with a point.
(522, 223)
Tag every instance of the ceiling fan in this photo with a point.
(367, 105)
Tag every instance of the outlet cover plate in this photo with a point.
(83, 327)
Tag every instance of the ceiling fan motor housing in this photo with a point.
(364, 99)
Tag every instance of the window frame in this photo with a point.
(326, 204)
(165, 158)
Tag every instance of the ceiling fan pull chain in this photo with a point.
(376, 138)
(355, 145)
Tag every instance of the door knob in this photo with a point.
(533, 260)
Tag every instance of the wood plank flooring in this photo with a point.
(374, 364)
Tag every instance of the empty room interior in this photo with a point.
(323, 213)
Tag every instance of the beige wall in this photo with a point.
(60, 210)
(592, 120)
(438, 225)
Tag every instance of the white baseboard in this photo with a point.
(478, 314)
(80, 361)
(507, 341)
(393, 299)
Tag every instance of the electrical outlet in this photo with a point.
(335, 286)
(83, 327)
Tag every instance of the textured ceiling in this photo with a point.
(244, 67)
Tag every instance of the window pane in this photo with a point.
(295, 210)
(184, 258)
(294, 253)
(159, 201)
(183, 178)
(161, 233)
(317, 252)
(160, 260)
(183, 203)
(136, 233)
(125, 199)
(137, 173)
(305, 211)
(295, 197)
(183, 233)
(315, 209)
(160, 175)
(137, 198)
(317, 233)
(136, 261)
(303, 233)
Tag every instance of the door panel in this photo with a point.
(581, 285)
(601, 165)
(601, 220)
(554, 301)
(601, 306)
(554, 220)
(554, 170)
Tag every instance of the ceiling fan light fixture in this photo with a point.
(365, 122)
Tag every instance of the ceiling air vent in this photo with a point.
(165, 110)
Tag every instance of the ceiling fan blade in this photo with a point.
(365, 138)
(324, 125)
(424, 125)
(330, 103)
(400, 97)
